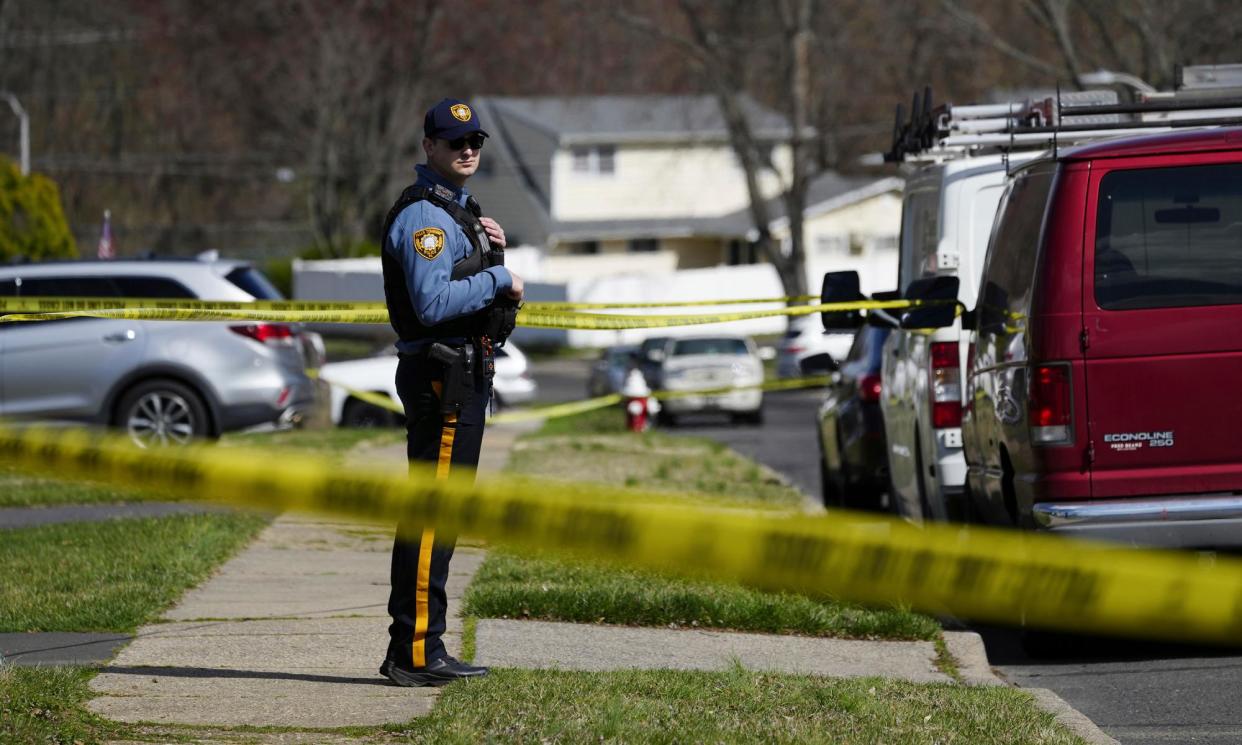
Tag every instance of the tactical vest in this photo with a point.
(495, 322)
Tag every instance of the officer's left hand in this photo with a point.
(495, 233)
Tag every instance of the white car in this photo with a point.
(806, 349)
(710, 363)
(378, 375)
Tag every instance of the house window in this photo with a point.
(828, 245)
(582, 159)
(884, 243)
(606, 157)
(584, 248)
(741, 252)
(644, 245)
(857, 244)
(596, 159)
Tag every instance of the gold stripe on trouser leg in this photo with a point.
(424, 552)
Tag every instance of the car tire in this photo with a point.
(829, 493)
(161, 412)
(920, 484)
(754, 418)
(1041, 644)
(360, 415)
(666, 419)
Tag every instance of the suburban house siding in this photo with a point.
(657, 181)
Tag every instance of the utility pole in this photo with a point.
(24, 123)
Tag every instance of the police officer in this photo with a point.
(451, 300)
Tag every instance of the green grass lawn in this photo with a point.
(114, 575)
(46, 705)
(734, 706)
(333, 442)
(22, 490)
(513, 585)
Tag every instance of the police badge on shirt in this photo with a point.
(429, 242)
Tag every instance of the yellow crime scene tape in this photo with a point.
(556, 411)
(553, 305)
(66, 304)
(37, 309)
(978, 573)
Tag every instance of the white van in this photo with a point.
(946, 219)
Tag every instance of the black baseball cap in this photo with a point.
(451, 119)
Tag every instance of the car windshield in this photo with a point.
(620, 356)
(685, 347)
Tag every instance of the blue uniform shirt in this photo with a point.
(427, 242)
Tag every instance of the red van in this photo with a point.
(1104, 386)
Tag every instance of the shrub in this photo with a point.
(32, 221)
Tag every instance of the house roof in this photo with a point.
(576, 120)
(515, 182)
(827, 192)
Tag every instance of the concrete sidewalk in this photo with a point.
(290, 634)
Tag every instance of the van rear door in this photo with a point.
(1162, 325)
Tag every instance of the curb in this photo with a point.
(972, 658)
(1073, 720)
(972, 663)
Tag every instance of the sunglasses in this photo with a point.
(475, 141)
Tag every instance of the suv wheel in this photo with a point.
(160, 412)
(829, 489)
(362, 414)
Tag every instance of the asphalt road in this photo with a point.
(1143, 693)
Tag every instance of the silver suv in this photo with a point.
(164, 382)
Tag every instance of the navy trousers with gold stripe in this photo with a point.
(420, 556)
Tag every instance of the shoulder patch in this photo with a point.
(429, 242)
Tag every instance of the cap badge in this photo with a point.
(429, 242)
(461, 112)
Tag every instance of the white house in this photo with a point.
(650, 184)
(641, 198)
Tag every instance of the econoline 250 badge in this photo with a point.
(1127, 442)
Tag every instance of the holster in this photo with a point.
(501, 319)
(458, 380)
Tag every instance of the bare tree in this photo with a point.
(724, 41)
(330, 91)
(1144, 37)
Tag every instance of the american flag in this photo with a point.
(105, 238)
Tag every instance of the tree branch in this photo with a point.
(980, 28)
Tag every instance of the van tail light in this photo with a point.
(946, 389)
(869, 389)
(1048, 410)
(266, 333)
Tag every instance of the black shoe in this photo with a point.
(436, 673)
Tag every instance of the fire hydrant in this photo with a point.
(639, 404)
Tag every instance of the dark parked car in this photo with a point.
(650, 358)
(852, 464)
(609, 371)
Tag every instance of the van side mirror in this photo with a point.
(841, 287)
(968, 318)
(884, 318)
(935, 316)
